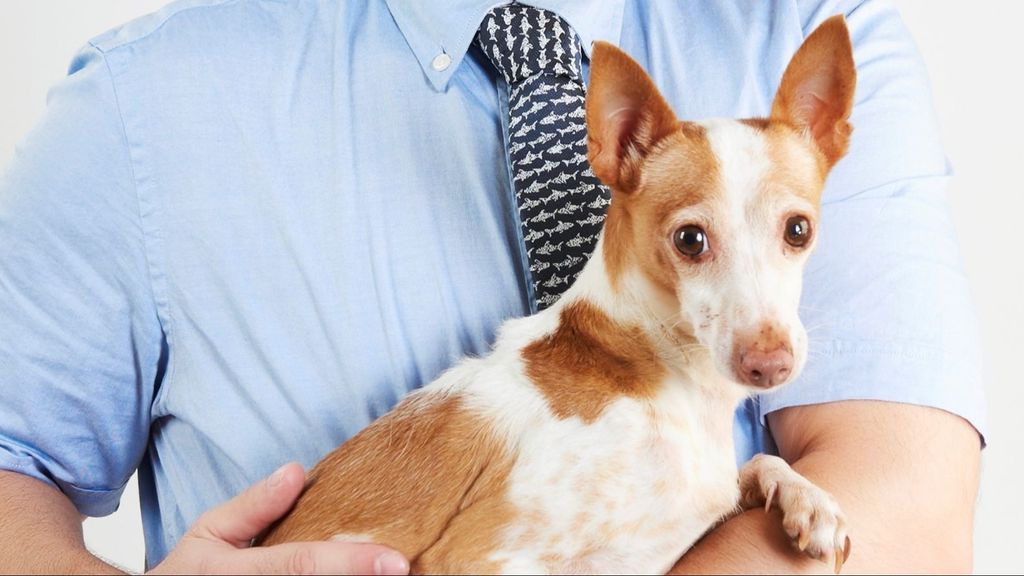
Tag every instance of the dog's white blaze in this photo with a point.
(743, 164)
(756, 284)
(742, 161)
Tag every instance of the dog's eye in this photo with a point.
(691, 241)
(798, 231)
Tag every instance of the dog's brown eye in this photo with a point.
(798, 231)
(691, 241)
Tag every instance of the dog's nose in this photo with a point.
(765, 369)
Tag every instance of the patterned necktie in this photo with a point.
(561, 203)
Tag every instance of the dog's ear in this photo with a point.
(816, 93)
(626, 117)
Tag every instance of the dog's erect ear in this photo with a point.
(816, 94)
(626, 116)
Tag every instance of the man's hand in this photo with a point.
(218, 543)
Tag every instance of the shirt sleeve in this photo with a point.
(80, 342)
(886, 303)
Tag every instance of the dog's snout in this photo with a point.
(763, 359)
(766, 369)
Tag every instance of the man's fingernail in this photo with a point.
(390, 564)
(350, 539)
(275, 479)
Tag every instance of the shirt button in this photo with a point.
(441, 62)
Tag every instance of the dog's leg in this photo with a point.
(810, 516)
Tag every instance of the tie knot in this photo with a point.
(523, 41)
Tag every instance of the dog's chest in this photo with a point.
(628, 492)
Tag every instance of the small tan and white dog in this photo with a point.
(597, 435)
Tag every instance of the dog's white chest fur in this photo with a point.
(628, 492)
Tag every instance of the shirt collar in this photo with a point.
(439, 31)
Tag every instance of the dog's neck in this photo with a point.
(631, 301)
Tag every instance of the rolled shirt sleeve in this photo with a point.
(886, 301)
(80, 340)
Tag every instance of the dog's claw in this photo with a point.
(805, 539)
(811, 518)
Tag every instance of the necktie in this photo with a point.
(561, 203)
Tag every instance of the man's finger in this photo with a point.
(320, 558)
(240, 519)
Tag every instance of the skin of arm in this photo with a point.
(905, 476)
(37, 517)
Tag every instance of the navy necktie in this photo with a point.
(561, 203)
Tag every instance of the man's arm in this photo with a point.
(905, 476)
(41, 532)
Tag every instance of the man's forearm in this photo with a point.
(905, 476)
(41, 532)
(750, 543)
(754, 543)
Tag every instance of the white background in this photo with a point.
(974, 53)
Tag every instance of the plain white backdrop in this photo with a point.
(973, 52)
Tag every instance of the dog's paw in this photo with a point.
(810, 516)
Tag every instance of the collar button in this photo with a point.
(441, 62)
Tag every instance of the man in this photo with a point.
(245, 229)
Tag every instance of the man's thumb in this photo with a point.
(242, 518)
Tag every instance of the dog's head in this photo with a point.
(716, 219)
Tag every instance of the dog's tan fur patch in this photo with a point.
(589, 361)
(402, 480)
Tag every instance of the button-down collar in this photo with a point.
(440, 34)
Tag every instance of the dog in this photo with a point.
(597, 434)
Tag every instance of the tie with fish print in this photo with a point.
(561, 203)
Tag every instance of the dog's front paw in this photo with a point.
(810, 516)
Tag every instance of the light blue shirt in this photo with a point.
(246, 228)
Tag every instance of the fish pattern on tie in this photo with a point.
(561, 203)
